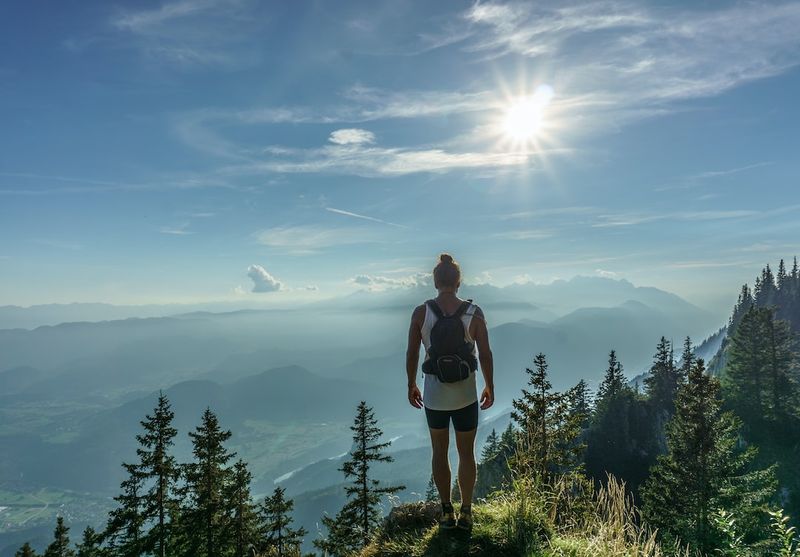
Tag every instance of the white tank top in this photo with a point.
(448, 396)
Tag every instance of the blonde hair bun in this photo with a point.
(447, 272)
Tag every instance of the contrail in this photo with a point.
(364, 217)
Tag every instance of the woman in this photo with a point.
(450, 391)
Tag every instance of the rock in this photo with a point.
(412, 516)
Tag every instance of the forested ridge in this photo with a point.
(703, 460)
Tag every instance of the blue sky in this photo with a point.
(195, 150)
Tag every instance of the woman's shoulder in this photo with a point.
(476, 310)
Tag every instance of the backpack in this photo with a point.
(450, 357)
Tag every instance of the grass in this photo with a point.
(527, 520)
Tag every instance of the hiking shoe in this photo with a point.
(465, 520)
(448, 519)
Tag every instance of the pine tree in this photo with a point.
(124, 529)
(491, 448)
(661, 385)
(547, 435)
(703, 470)
(26, 551)
(244, 522)
(782, 278)
(278, 538)
(431, 493)
(508, 441)
(758, 376)
(158, 466)
(493, 468)
(361, 513)
(620, 438)
(59, 547)
(765, 291)
(743, 304)
(687, 360)
(579, 400)
(90, 545)
(781, 388)
(490, 471)
(614, 381)
(743, 374)
(206, 517)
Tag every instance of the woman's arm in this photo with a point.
(481, 337)
(412, 356)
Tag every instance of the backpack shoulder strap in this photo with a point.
(437, 311)
(463, 308)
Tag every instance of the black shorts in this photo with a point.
(464, 419)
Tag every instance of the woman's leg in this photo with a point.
(467, 469)
(440, 441)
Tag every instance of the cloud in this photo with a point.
(632, 55)
(378, 282)
(194, 33)
(609, 62)
(351, 136)
(485, 277)
(532, 234)
(90, 185)
(262, 280)
(701, 177)
(307, 239)
(524, 278)
(729, 171)
(373, 161)
(179, 230)
(707, 264)
(146, 20)
(58, 244)
(630, 219)
(605, 274)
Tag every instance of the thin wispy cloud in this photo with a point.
(694, 180)
(705, 264)
(729, 171)
(375, 161)
(58, 244)
(193, 33)
(643, 54)
(533, 234)
(311, 238)
(617, 62)
(179, 230)
(547, 212)
(631, 219)
(144, 21)
(90, 185)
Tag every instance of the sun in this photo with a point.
(524, 116)
(522, 120)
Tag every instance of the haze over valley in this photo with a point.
(283, 380)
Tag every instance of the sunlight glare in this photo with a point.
(523, 118)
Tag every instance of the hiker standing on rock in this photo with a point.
(455, 337)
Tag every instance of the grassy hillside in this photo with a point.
(525, 521)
